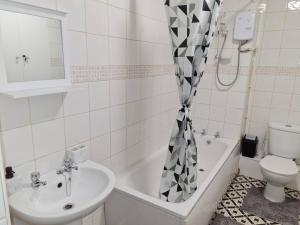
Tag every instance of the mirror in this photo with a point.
(32, 47)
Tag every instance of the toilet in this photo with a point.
(279, 167)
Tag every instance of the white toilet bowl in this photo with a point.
(278, 172)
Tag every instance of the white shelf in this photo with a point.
(35, 92)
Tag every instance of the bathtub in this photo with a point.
(135, 198)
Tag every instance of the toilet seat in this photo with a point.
(279, 165)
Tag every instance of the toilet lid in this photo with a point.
(279, 165)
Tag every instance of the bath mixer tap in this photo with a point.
(203, 132)
(35, 180)
(217, 135)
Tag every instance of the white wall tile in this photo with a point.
(282, 101)
(147, 87)
(124, 4)
(117, 92)
(20, 151)
(294, 117)
(48, 137)
(295, 103)
(219, 98)
(97, 50)
(133, 135)
(117, 22)
(268, 57)
(291, 20)
(133, 89)
(237, 100)
(276, 5)
(217, 113)
(284, 84)
(117, 51)
(76, 15)
(133, 52)
(47, 107)
(264, 83)
(118, 117)
(99, 122)
(234, 116)
(262, 99)
(289, 57)
(146, 53)
(260, 114)
(99, 95)
(119, 161)
(272, 39)
(200, 110)
(77, 129)
(290, 39)
(13, 113)
(279, 115)
(77, 100)
(203, 96)
(96, 17)
(77, 48)
(118, 141)
(133, 113)
(232, 131)
(132, 26)
(274, 21)
(297, 85)
(100, 148)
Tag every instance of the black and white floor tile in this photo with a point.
(232, 200)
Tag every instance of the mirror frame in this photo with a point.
(6, 87)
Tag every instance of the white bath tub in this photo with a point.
(135, 199)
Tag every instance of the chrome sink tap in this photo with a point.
(35, 180)
(68, 166)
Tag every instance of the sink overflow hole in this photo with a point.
(201, 170)
(59, 185)
(68, 206)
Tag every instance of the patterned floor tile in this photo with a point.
(232, 200)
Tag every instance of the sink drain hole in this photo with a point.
(68, 206)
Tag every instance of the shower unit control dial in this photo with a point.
(244, 26)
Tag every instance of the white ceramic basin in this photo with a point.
(91, 185)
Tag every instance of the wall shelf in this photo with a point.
(35, 92)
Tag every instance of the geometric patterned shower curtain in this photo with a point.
(191, 24)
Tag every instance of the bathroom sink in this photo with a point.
(90, 186)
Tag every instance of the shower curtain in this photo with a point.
(191, 25)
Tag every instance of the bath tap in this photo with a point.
(35, 180)
(203, 132)
(217, 135)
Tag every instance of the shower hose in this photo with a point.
(219, 57)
